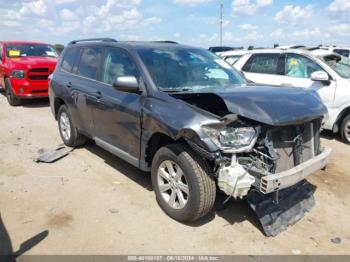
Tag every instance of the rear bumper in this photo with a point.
(23, 88)
(275, 182)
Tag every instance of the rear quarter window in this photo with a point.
(69, 59)
(262, 64)
(343, 52)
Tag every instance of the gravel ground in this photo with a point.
(91, 202)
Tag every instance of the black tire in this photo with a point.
(202, 186)
(74, 139)
(11, 97)
(345, 130)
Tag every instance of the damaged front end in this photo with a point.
(267, 165)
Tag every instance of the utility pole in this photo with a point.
(221, 20)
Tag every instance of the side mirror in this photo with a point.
(127, 84)
(319, 76)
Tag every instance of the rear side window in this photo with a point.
(232, 59)
(89, 62)
(262, 64)
(342, 52)
(70, 57)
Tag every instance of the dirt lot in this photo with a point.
(94, 203)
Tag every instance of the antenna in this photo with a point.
(221, 20)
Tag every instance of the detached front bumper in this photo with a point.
(275, 182)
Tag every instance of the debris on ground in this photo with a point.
(52, 155)
(291, 206)
(336, 240)
(114, 211)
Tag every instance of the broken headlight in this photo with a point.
(231, 139)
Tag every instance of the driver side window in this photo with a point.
(117, 63)
(300, 66)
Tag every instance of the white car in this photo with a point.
(341, 50)
(325, 71)
(232, 56)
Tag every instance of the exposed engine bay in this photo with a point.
(261, 162)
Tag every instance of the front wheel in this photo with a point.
(345, 130)
(68, 131)
(11, 97)
(182, 184)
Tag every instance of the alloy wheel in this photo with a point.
(65, 126)
(347, 130)
(172, 184)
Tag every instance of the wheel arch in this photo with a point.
(57, 104)
(341, 116)
(156, 141)
(186, 136)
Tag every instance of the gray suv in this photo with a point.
(189, 118)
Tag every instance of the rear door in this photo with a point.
(298, 69)
(264, 69)
(117, 114)
(83, 87)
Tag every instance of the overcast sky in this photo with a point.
(195, 22)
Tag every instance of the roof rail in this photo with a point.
(92, 40)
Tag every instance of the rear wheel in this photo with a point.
(68, 131)
(182, 184)
(345, 130)
(11, 97)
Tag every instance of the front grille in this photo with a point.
(37, 74)
(38, 91)
(39, 77)
(295, 144)
(39, 70)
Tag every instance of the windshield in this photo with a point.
(22, 50)
(339, 64)
(180, 69)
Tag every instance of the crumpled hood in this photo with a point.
(276, 106)
(273, 105)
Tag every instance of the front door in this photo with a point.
(117, 115)
(298, 70)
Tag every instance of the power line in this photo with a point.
(221, 20)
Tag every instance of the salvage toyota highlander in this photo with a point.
(194, 122)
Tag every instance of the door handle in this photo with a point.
(98, 95)
(69, 84)
(286, 84)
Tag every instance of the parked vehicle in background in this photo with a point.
(24, 69)
(341, 50)
(217, 49)
(232, 56)
(326, 72)
(188, 117)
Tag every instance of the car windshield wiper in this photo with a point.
(176, 90)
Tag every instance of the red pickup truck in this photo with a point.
(25, 68)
